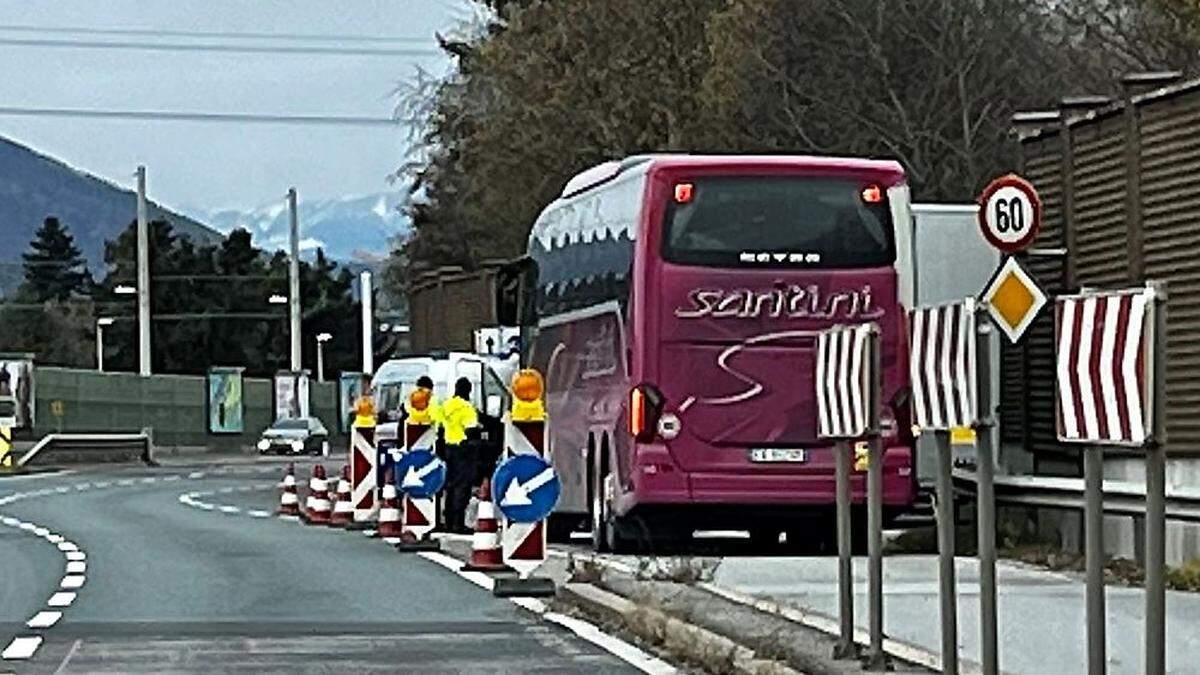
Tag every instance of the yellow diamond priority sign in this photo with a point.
(1013, 299)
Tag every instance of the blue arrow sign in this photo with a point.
(526, 488)
(420, 473)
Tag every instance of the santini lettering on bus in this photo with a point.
(794, 302)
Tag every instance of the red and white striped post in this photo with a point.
(418, 514)
(1111, 355)
(363, 459)
(523, 545)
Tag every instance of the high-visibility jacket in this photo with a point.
(431, 415)
(458, 415)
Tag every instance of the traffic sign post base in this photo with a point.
(361, 525)
(528, 587)
(877, 661)
(417, 545)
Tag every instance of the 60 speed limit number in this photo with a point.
(1010, 213)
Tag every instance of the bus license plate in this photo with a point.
(778, 455)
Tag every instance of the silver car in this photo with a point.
(303, 435)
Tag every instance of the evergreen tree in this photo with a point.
(54, 267)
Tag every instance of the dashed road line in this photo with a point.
(21, 648)
(76, 567)
(44, 619)
(255, 513)
(225, 508)
(75, 556)
(72, 581)
(61, 599)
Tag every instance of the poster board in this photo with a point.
(226, 404)
(291, 394)
(350, 387)
(16, 392)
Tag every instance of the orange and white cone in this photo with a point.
(289, 501)
(390, 527)
(486, 553)
(318, 498)
(343, 510)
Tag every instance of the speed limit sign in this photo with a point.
(1010, 213)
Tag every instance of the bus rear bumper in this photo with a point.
(780, 489)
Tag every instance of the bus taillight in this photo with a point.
(645, 408)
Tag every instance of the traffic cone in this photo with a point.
(389, 513)
(318, 498)
(486, 554)
(289, 501)
(343, 510)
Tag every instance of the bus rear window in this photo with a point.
(779, 222)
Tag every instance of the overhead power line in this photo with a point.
(229, 48)
(229, 35)
(174, 116)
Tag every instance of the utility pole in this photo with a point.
(143, 276)
(368, 328)
(294, 279)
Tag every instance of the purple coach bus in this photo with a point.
(676, 300)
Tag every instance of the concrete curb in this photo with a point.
(678, 637)
(903, 651)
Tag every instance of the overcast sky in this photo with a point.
(204, 165)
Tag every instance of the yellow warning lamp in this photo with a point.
(528, 389)
(418, 406)
(364, 412)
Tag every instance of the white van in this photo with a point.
(396, 378)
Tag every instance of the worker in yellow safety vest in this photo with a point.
(460, 424)
(422, 406)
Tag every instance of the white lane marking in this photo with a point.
(75, 556)
(225, 508)
(102, 484)
(150, 479)
(28, 527)
(76, 567)
(196, 474)
(62, 490)
(225, 490)
(61, 599)
(44, 619)
(73, 581)
(67, 546)
(172, 477)
(294, 519)
(82, 486)
(203, 505)
(615, 646)
(125, 481)
(21, 648)
(10, 521)
(54, 538)
(255, 513)
(41, 531)
(62, 667)
(587, 631)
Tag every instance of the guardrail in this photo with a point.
(1120, 497)
(91, 443)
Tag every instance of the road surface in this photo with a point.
(165, 579)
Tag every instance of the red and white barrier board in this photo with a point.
(843, 390)
(1105, 352)
(363, 460)
(942, 366)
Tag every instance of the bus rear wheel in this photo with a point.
(609, 533)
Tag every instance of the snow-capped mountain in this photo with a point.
(358, 228)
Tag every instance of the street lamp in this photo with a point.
(322, 338)
(101, 322)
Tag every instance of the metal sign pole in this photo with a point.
(845, 648)
(877, 659)
(985, 506)
(1093, 483)
(945, 536)
(1155, 630)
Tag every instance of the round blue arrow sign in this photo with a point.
(420, 473)
(525, 488)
